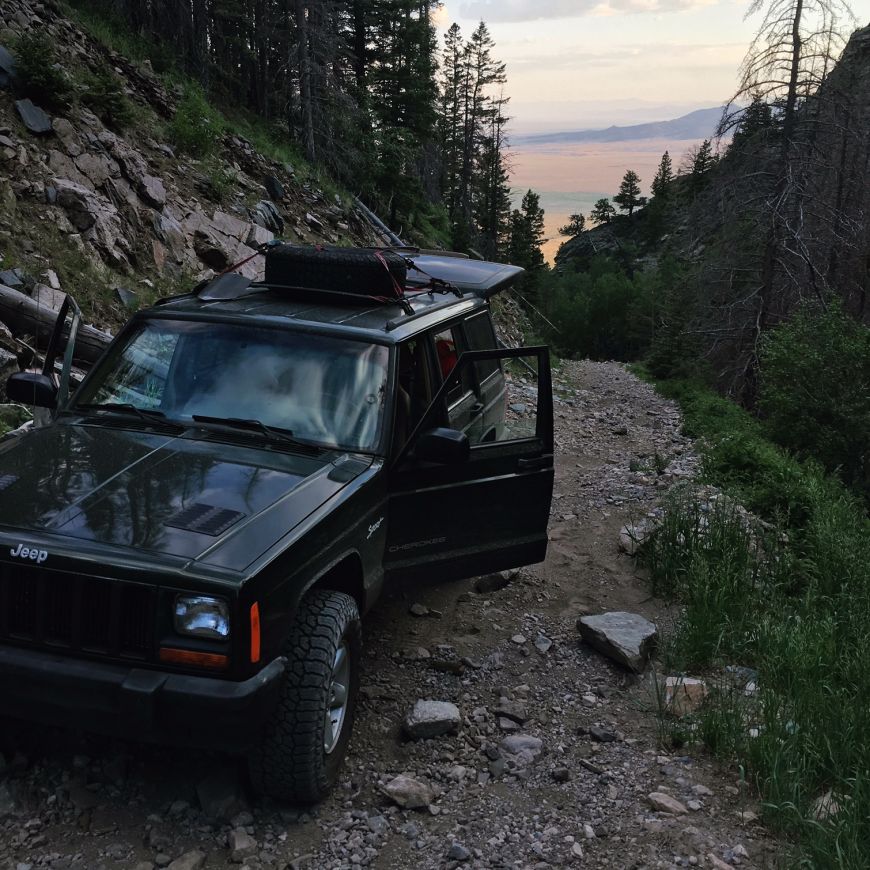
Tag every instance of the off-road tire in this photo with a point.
(290, 763)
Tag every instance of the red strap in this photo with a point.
(400, 291)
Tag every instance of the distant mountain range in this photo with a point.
(699, 124)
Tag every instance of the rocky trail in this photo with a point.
(546, 753)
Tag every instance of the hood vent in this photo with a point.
(6, 480)
(205, 519)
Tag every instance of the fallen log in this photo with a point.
(25, 317)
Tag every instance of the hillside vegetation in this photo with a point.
(744, 281)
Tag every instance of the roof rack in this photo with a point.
(396, 322)
(316, 294)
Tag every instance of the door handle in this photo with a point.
(534, 464)
(476, 408)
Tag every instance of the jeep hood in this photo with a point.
(174, 495)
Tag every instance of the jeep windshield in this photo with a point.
(258, 380)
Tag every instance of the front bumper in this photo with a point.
(136, 703)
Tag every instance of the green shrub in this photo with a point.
(800, 616)
(40, 76)
(104, 94)
(815, 391)
(219, 179)
(197, 127)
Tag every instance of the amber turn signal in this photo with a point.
(255, 633)
(189, 657)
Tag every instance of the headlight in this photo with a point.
(202, 616)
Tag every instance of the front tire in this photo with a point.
(305, 741)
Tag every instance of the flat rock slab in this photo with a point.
(432, 719)
(664, 803)
(409, 793)
(33, 117)
(627, 638)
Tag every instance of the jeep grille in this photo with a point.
(88, 615)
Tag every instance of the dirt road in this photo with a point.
(571, 785)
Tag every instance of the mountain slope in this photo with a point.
(699, 124)
(102, 204)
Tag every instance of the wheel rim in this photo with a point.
(336, 705)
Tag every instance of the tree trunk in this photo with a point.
(305, 81)
(25, 317)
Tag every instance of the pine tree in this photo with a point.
(602, 212)
(576, 224)
(756, 121)
(664, 177)
(629, 198)
(704, 159)
(527, 234)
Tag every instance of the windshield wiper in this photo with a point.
(250, 425)
(149, 415)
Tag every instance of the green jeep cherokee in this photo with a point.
(187, 547)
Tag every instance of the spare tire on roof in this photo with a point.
(359, 271)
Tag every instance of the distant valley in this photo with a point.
(699, 124)
(572, 169)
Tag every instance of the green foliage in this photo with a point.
(792, 601)
(113, 31)
(576, 224)
(703, 160)
(104, 94)
(815, 390)
(40, 75)
(197, 127)
(629, 198)
(527, 233)
(220, 179)
(673, 351)
(602, 212)
(755, 127)
(603, 312)
(663, 178)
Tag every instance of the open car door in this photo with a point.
(474, 501)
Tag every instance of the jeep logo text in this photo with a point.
(22, 552)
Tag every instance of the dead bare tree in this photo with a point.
(787, 65)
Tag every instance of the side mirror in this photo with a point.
(30, 388)
(445, 446)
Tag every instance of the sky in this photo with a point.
(574, 64)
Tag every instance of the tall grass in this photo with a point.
(790, 599)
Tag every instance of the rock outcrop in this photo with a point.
(130, 203)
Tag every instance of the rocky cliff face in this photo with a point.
(89, 210)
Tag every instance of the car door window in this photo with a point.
(480, 335)
(513, 416)
(414, 388)
(462, 399)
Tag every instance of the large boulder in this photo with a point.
(522, 749)
(409, 793)
(34, 118)
(152, 191)
(135, 169)
(627, 638)
(432, 719)
(97, 168)
(96, 218)
(68, 136)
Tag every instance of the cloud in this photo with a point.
(493, 11)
